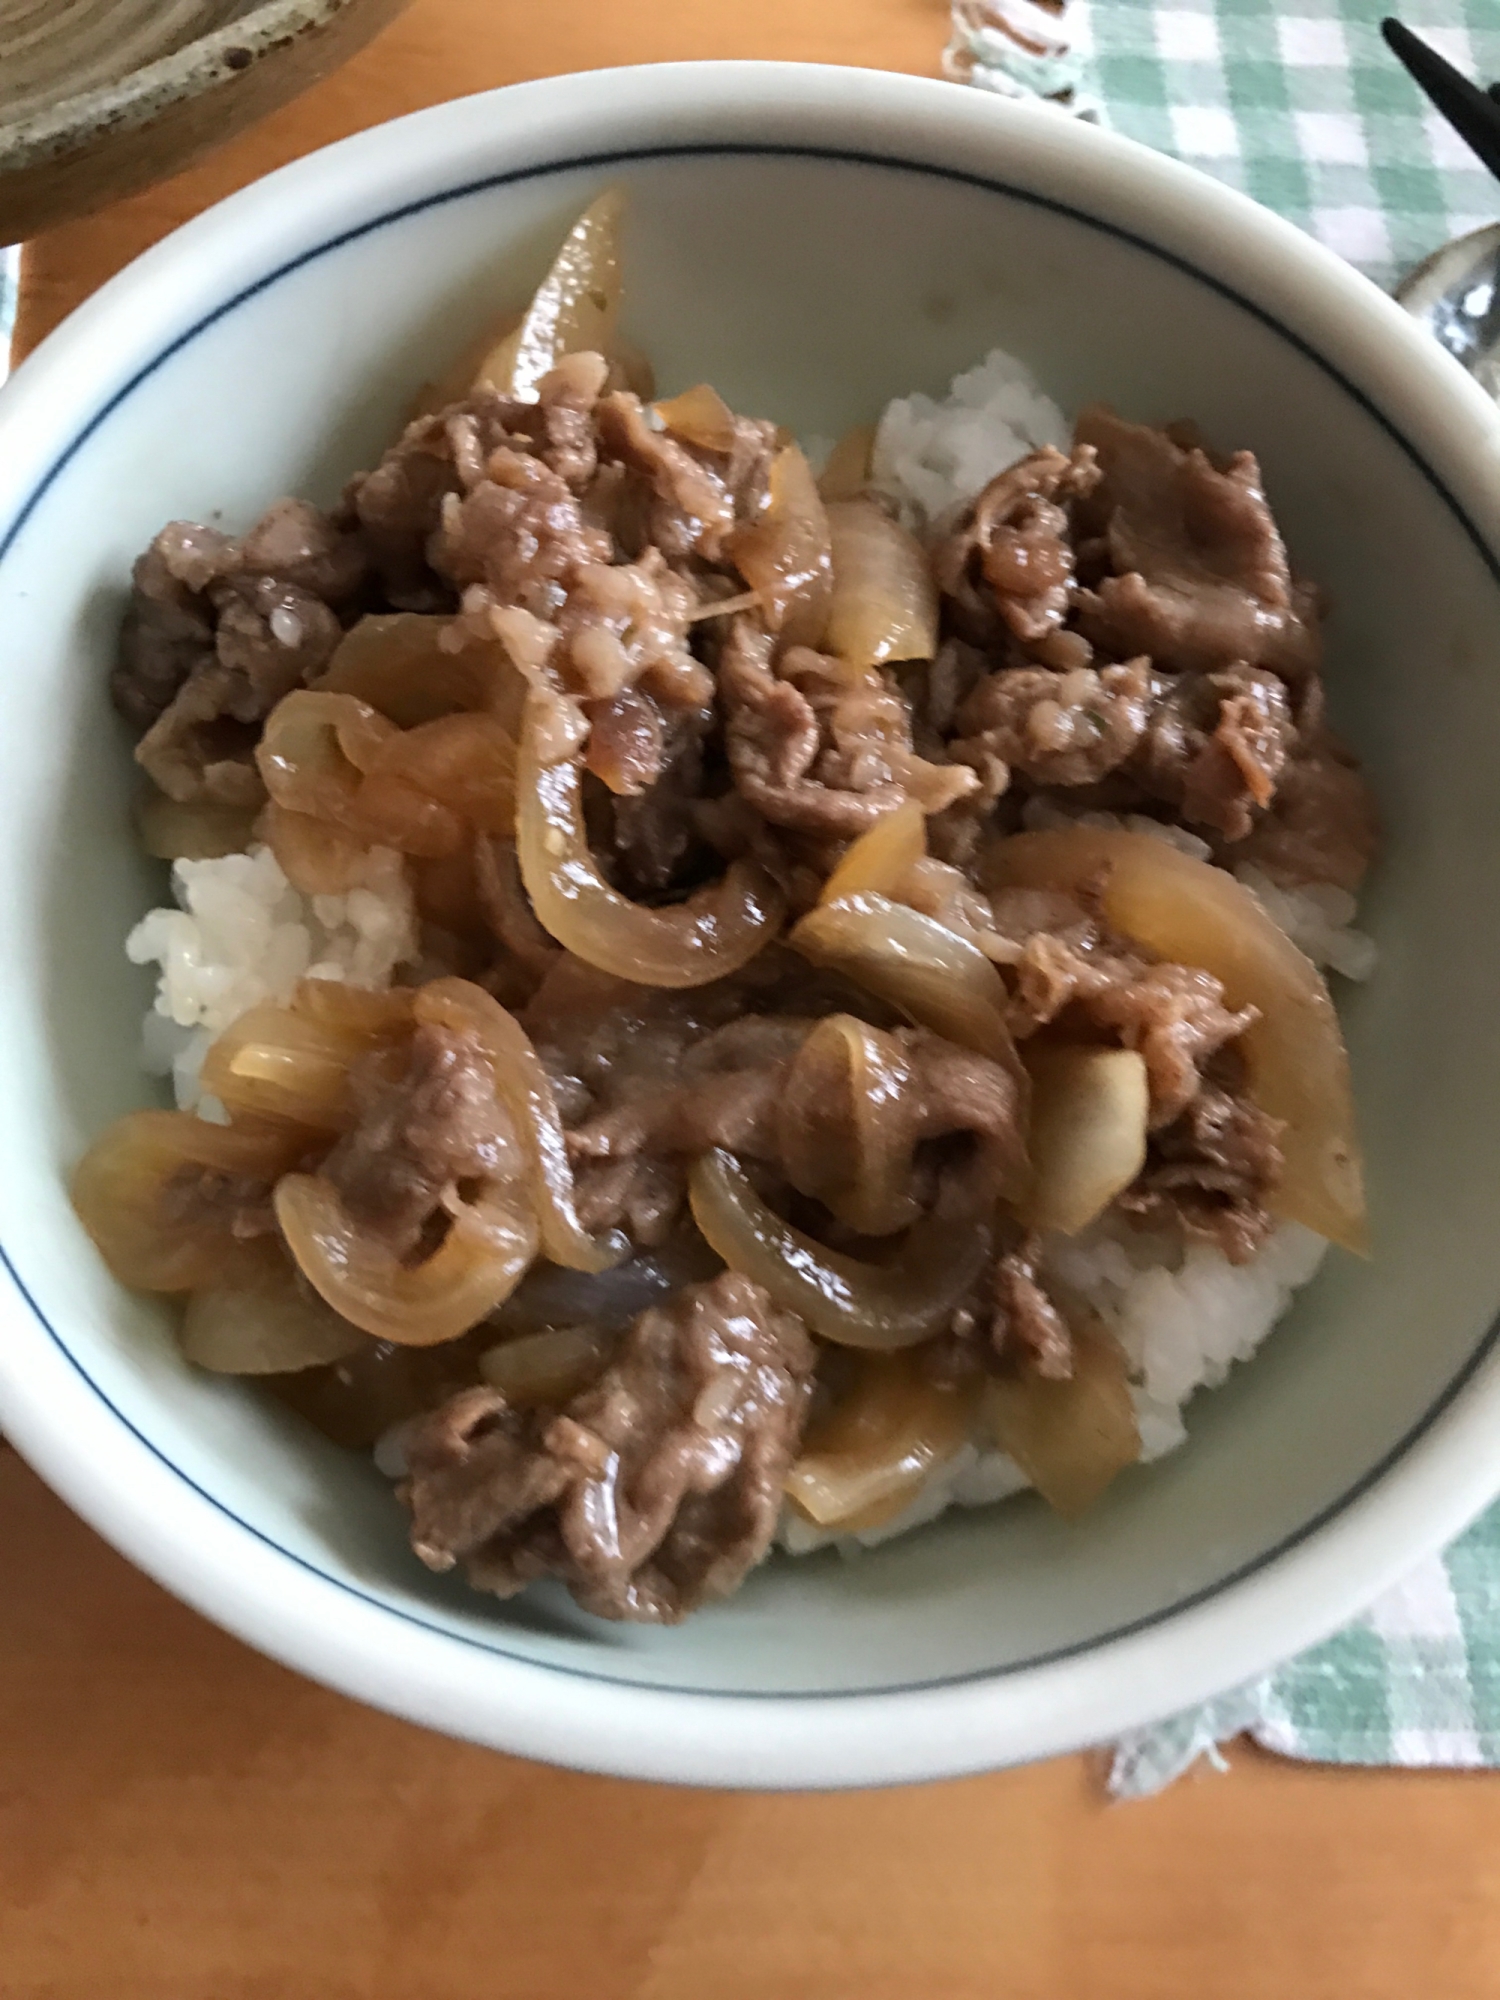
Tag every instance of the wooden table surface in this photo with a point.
(181, 1820)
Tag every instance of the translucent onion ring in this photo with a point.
(120, 1184)
(877, 1306)
(550, 1366)
(525, 1089)
(712, 934)
(479, 1263)
(784, 553)
(1070, 1438)
(875, 1450)
(294, 1062)
(937, 978)
(572, 311)
(846, 1125)
(256, 1319)
(846, 470)
(884, 605)
(879, 861)
(699, 416)
(324, 755)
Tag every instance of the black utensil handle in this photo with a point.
(1473, 113)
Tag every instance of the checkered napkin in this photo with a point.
(1301, 106)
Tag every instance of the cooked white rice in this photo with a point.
(242, 934)
(930, 456)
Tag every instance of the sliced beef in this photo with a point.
(1027, 1326)
(1213, 1170)
(1322, 825)
(625, 623)
(744, 1086)
(1070, 728)
(644, 1196)
(1215, 747)
(655, 821)
(1194, 570)
(816, 749)
(519, 541)
(561, 423)
(1007, 565)
(198, 1194)
(421, 1131)
(217, 631)
(694, 495)
(168, 631)
(627, 746)
(399, 506)
(654, 1491)
(716, 1087)
(518, 531)
(1173, 1014)
(1009, 1322)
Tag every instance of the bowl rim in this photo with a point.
(1425, 1489)
(125, 103)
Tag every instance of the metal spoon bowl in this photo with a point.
(1455, 294)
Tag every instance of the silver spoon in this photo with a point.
(1455, 294)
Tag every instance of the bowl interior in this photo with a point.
(809, 288)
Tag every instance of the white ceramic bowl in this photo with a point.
(813, 241)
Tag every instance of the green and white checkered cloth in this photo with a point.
(1300, 105)
(1415, 1681)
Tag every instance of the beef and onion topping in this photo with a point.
(713, 1003)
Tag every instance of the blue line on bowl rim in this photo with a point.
(888, 163)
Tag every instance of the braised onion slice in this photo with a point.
(397, 663)
(1190, 913)
(146, 1193)
(875, 1450)
(573, 310)
(468, 762)
(846, 1125)
(255, 1319)
(879, 861)
(846, 470)
(315, 856)
(479, 1262)
(884, 602)
(880, 1306)
(547, 1367)
(938, 979)
(1070, 1438)
(1087, 1136)
(699, 416)
(192, 830)
(294, 1062)
(549, 1296)
(525, 1089)
(315, 753)
(712, 934)
(784, 553)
